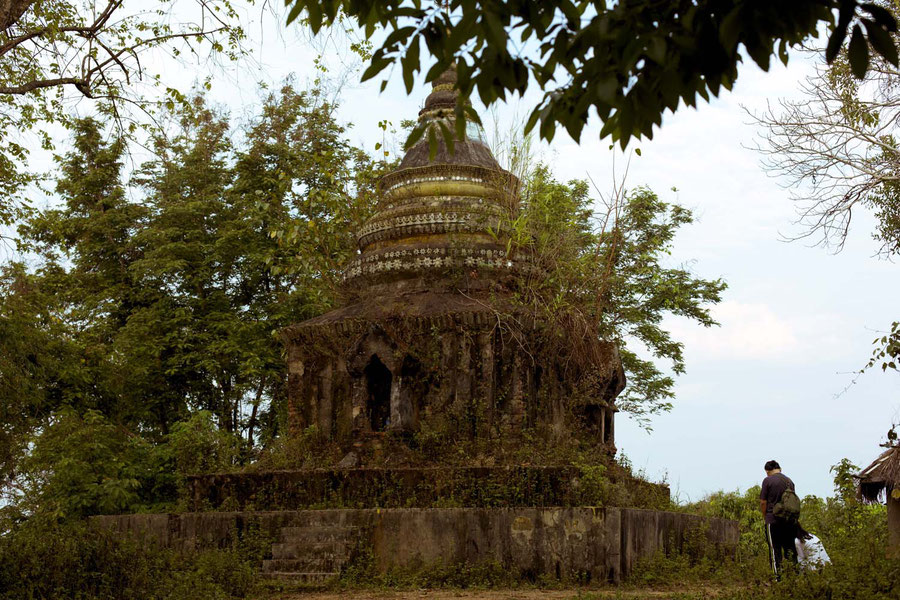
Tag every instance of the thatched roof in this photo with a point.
(883, 475)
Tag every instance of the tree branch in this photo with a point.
(89, 31)
(79, 83)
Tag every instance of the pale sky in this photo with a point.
(795, 321)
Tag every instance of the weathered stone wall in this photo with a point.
(408, 488)
(450, 368)
(602, 544)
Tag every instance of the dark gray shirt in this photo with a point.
(773, 487)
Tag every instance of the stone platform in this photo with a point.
(578, 543)
(413, 487)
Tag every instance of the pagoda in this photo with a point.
(433, 348)
(423, 339)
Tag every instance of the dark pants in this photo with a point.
(780, 537)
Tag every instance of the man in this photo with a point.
(779, 534)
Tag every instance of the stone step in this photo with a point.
(316, 533)
(294, 549)
(311, 578)
(308, 564)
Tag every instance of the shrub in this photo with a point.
(854, 535)
(42, 558)
(198, 445)
(81, 465)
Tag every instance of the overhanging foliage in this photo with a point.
(626, 61)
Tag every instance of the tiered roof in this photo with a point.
(437, 215)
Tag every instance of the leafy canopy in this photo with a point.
(602, 275)
(626, 61)
(57, 54)
(837, 147)
(85, 465)
(156, 298)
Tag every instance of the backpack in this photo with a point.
(788, 507)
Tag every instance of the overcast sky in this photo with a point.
(774, 381)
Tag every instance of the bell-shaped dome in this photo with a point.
(439, 107)
(438, 215)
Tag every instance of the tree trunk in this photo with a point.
(11, 11)
(251, 426)
(893, 510)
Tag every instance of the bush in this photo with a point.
(197, 445)
(41, 558)
(82, 465)
(854, 535)
(362, 573)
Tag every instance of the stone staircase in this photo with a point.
(312, 553)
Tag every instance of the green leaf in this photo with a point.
(656, 50)
(881, 15)
(295, 11)
(432, 144)
(377, 65)
(460, 120)
(858, 53)
(448, 137)
(881, 41)
(730, 29)
(836, 40)
(408, 78)
(415, 135)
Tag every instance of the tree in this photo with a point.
(163, 295)
(27, 360)
(240, 244)
(301, 191)
(629, 61)
(599, 275)
(56, 321)
(88, 251)
(98, 49)
(838, 149)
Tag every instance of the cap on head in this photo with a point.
(772, 465)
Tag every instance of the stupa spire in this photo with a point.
(438, 215)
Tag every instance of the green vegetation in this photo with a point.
(854, 535)
(151, 296)
(43, 558)
(362, 573)
(628, 61)
(57, 53)
(137, 328)
(154, 301)
(138, 333)
(601, 273)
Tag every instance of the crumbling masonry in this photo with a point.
(424, 339)
(433, 342)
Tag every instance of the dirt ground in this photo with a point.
(698, 593)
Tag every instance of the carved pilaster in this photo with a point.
(326, 399)
(448, 370)
(359, 395)
(463, 392)
(486, 378)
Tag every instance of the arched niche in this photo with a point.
(379, 381)
(373, 370)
